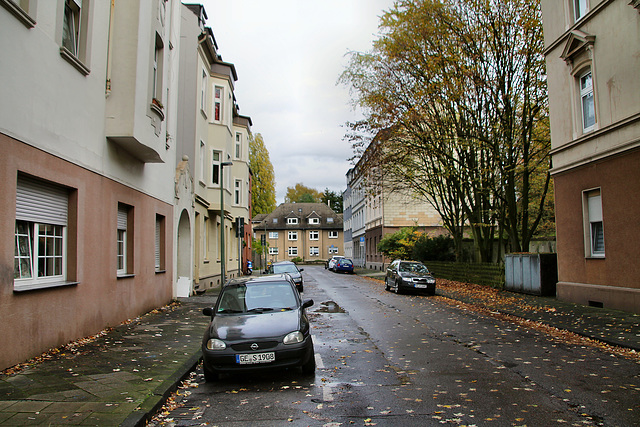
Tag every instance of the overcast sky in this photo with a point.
(289, 55)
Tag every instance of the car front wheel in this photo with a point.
(386, 284)
(209, 376)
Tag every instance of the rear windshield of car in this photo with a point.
(285, 268)
(346, 262)
(256, 298)
(414, 267)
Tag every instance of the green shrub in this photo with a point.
(440, 248)
(297, 260)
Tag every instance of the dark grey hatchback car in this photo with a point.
(409, 276)
(258, 324)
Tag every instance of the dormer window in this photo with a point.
(292, 221)
(314, 220)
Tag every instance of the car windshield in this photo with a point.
(412, 267)
(284, 268)
(257, 298)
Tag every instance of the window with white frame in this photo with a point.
(215, 167)
(160, 244)
(293, 235)
(333, 234)
(238, 145)
(580, 9)
(158, 62)
(587, 104)
(203, 161)
(217, 103)
(71, 26)
(238, 192)
(314, 221)
(293, 251)
(275, 220)
(273, 234)
(203, 92)
(40, 234)
(329, 220)
(594, 226)
(292, 221)
(314, 251)
(314, 235)
(24, 10)
(273, 251)
(123, 239)
(333, 250)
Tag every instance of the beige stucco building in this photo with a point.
(593, 63)
(87, 130)
(310, 231)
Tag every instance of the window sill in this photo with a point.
(595, 257)
(205, 261)
(38, 286)
(161, 271)
(125, 276)
(19, 13)
(73, 60)
(158, 110)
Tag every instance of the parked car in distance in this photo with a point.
(343, 265)
(291, 269)
(332, 261)
(257, 324)
(409, 276)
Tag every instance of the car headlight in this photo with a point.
(216, 344)
(294, 338)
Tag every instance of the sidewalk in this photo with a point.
(124, 376)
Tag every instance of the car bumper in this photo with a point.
(285, 356)
(429, 288)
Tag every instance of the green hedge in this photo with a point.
(480, 274)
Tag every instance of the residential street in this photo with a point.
(386, 359)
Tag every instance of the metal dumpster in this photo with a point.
(535, 274)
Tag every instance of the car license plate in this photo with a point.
(421, 286)
(249, 359)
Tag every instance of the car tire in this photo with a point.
(209, 376)
(300, 288)
(386, 285)
(309, 368)
(397, 289)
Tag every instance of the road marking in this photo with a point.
(319, 363)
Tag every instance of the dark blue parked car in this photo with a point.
(344, 265)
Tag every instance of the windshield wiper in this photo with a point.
(229, 310)
(260, 309)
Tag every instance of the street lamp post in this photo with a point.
(222, 255)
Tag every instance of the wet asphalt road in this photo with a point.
(402, 360)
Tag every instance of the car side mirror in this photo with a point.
(208, 311)
(301, 269)
(307, 303)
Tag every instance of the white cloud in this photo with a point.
(289, 55)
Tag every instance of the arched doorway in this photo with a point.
(183, 268)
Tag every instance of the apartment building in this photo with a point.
(378, 210)
(214, 139)
(593, 62)
(88, 131)
(311, 231)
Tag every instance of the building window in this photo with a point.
(275, 220)
(292, 221)
(587, 102)
(594, 228)
(329, 220)
(333, 250)
(157, 72)
(314, 251)
(293, 235)
(215, 167)
(160, 244)
(273, 251)
(217, 103)
(71, 26)
(238, 192)
(40, 255)
(123, 239)
(238, 145)
(333, 234)
(205, 239)
(314, 235)
(293, 251)
(273, 234)
(203, 92)
(314, 221)
(203, 161)
(580, 8)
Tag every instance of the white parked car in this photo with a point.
(332, 261)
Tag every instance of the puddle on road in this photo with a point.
(330, 307)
